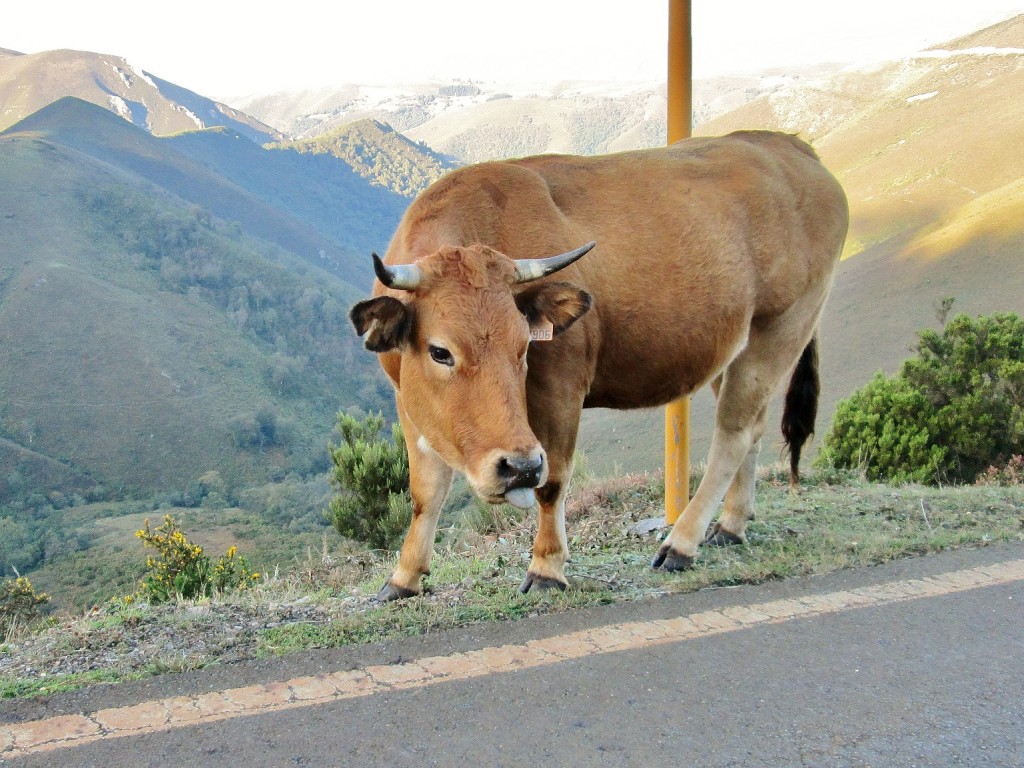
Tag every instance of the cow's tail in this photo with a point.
(801, 407)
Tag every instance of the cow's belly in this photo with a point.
(649, 374)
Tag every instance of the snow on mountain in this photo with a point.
(29, 82)
(478, 120)
(982, 50)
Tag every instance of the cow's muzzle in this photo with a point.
(520, 473)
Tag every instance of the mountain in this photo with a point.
(912, 140)
(29, 82)
(930, 167)
(314, 206)
(147, 338)
(472, 121)
(341, 216)
(378, 153)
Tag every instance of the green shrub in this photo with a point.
(372, 476)
(19, 604)
(954, 409)
(258, 430)
(182, 571)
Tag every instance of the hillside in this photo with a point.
(935, 205)
(145, 343)
(934, 214)
(29, 82)
(316, 207)
(572, 120)
(917, 150)
(379, 154)
(339, 216)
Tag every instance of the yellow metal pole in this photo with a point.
(680, 123)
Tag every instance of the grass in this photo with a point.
(827, 528)
(17, 688)
(326, 600)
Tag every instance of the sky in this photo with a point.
(225, 48)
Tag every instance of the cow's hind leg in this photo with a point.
(739, 504)
(731, 445)
(745, 390)
(430, 479)
(739, 498)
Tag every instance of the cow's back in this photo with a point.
(746, 204)
(742, 198)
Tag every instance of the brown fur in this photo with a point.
(714, 258)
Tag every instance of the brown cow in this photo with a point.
(712, 263)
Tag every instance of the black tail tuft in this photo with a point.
(801, 407)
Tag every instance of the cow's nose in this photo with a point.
(521, 470)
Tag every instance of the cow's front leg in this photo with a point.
(430, 479)
(555, 397)
(550, 546)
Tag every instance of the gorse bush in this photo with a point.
(20, 604)
(954, 409)
(372, 475)
(181, 570)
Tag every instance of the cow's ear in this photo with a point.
(560, 304)
(385, 321)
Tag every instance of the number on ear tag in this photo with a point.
(544, 330)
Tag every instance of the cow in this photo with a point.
(515, 293)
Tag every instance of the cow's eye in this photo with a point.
(441, 355)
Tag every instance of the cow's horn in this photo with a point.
(532, 269)
(404, 277)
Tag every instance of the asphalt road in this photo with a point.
(934, 680)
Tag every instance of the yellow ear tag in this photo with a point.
(544, 330)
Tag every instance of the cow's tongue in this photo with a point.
(524, 498)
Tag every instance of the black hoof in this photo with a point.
(391, 592)
(719, 537)
(669, 560)
(542, 583)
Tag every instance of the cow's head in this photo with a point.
(458, 324)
